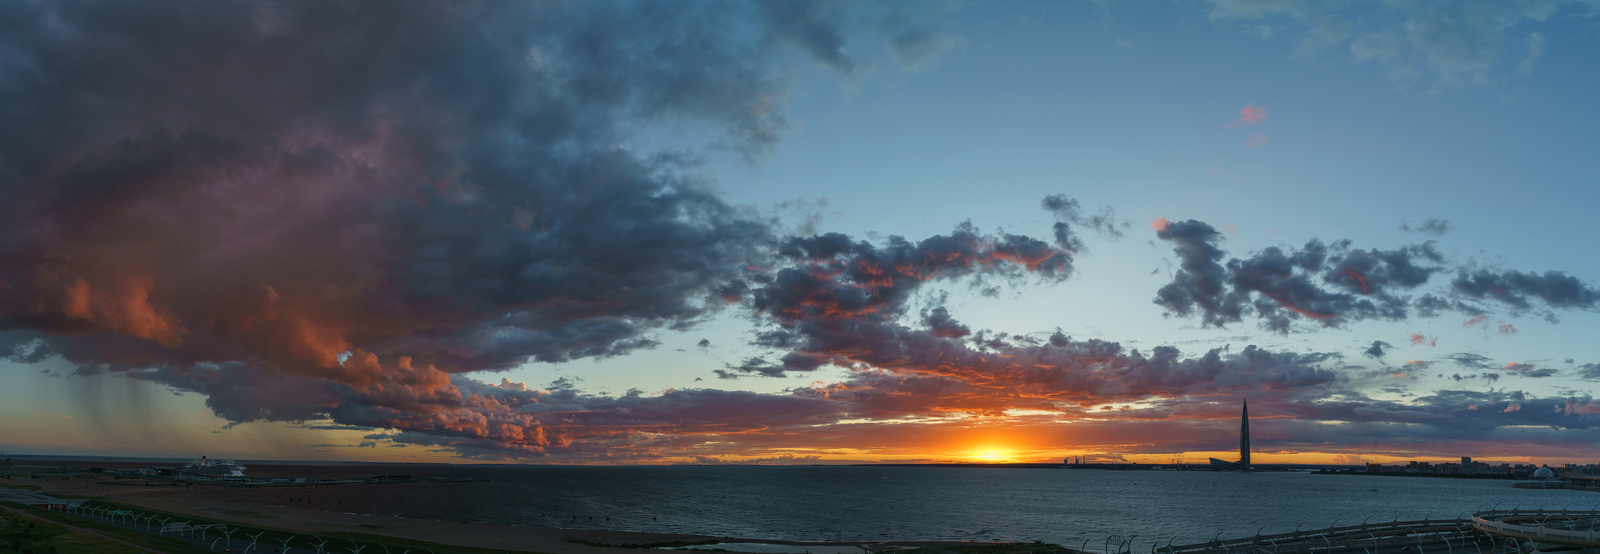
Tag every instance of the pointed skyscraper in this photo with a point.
(1244, 446)
(1244, 437)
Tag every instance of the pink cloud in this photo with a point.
(1257, 140)
(1511, 408)
(1585, 409)
(1250, 115)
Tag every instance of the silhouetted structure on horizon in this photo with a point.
(1244, 445)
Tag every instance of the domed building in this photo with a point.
(1544, 473)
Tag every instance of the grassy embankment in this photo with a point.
(31, 536)
(343, 540)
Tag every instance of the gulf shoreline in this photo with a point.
(244, 505)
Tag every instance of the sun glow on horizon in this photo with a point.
(989, 455)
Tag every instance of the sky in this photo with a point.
(800, 232)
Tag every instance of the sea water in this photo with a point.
(1077, 508)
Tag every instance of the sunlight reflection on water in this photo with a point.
(1065, 507)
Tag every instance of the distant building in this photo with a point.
(1244, 446)
(392, 478)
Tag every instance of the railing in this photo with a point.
(1574, 527)
(1369, 538)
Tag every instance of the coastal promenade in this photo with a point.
(1574, 528)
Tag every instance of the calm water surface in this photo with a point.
(1066, 507)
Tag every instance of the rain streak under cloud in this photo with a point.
(361, 215)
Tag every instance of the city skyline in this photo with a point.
(799, 232)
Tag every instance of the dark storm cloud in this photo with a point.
(1431, 226)
(359, 200)
(1376, 351)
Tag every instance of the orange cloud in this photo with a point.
(1160, 224)
(1418, 339)
(117, 301)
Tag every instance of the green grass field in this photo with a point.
(28, 535)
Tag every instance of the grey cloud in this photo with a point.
(1067, 210)
(1202, 283)
(815, 27)
(1536, 43)
(941, 324)
(1529, 370)
(1376, 351)
(1432, 226)
(363, 198)
(1589, 372)
(1471, 361)
(920, 48)
(1447, 43)
(760, 366)
(1518, 290)
(1332, 284)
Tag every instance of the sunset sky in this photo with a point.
(800, 232)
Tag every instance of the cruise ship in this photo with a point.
(204, 467)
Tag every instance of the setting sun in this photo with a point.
(991, 455)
